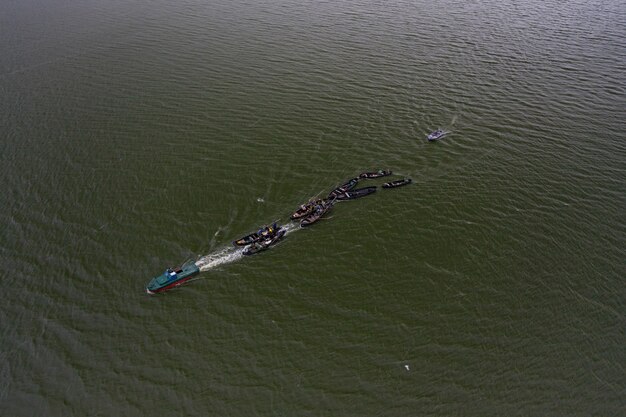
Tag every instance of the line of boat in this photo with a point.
(267, 236)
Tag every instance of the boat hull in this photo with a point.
(253, 237)
(246, 240)
(317, 213)
(358, 193)
(264, 245)
(304, 210)
(437, 134)
(397, 183)
(165, 281)
(378, 174)
(343, 188)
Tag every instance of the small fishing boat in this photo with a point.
(264, 244)
(344, 187)
(358, 193)
(377, 174)
(437, 134)
(172, 278)
(397, 183)
(256, 236)
(304, 209)
(318, 212)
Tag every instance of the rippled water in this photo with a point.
(138, 135)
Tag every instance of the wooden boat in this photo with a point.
(377, 174)
(318, 212)
(358, 193)
(256, 236)
(264, 244)
(397, 183)
(304, 209)
(344, 187)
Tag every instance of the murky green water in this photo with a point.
(135, 136)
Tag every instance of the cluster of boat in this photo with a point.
(259, 241)
(267, 236)
(314, 209)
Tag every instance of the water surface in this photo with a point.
(136, 136)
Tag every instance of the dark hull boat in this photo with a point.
(264, 244)
(172, 278)
(377, 174)
(343, 188)
(255, 237)
(358, 193)
(437, 134)
(317, 212)
(397, 183)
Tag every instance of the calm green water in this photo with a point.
(136, 135)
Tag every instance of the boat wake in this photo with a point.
(291, 227)
(231, 254)
(221, 257)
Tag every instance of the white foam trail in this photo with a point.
(224, 256)
(290, 227)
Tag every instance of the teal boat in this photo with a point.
(172, 278)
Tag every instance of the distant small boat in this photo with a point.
(377, 174)
(359, 192)
(172, 277)
(350, 184)
(437, 134)
(397, 183)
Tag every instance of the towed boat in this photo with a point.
(256, 236)
(172, 278)
(377, 174)
(344, 187)
(397, 183)
(437, 134)
(262, 245)
(318, 212)
(358, 193)
(304, 209)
